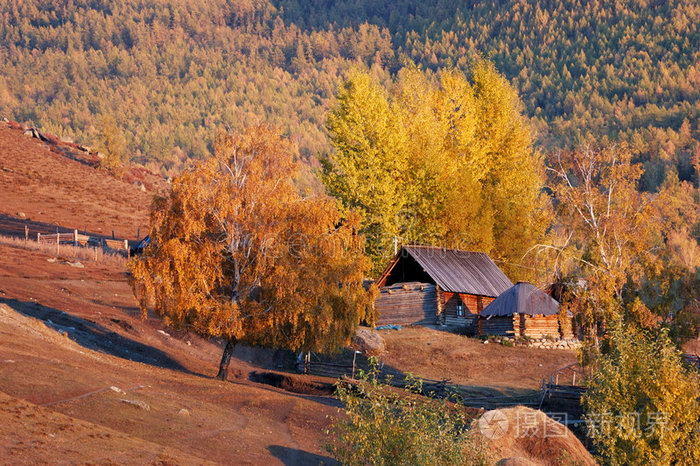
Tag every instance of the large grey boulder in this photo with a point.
(368, 341)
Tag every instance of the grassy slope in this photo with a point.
(55, 396)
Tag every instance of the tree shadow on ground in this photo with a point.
(295, 457)
(300, 386)
(96, 337)
(474, 396)
(14, 226)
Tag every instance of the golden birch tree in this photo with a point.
(611, 232)
(237, 253)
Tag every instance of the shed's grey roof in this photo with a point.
(458, 271)
(523, 298)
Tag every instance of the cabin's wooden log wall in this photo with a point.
(503, 326)
(537, 326)
(540, 326)
(406, 304)
(472, 305)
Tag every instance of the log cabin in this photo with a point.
(438, 286)
(524, 311)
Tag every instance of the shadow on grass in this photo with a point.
(96, 337)
(474, 396)
(14, 226)
(293, 457)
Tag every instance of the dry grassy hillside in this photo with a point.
(436, 354)
(68, 334)
(84, 379)
(46, 185)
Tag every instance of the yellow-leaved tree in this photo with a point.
(111, 146)
(367, 174)
(642, 402)
(237, 253)
(444, 160)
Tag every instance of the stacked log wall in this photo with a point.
(540, 326)
(502, 326)
(407, 304)
(472, 305)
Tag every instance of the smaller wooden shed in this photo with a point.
(523, 310)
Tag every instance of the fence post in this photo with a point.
(126, 248)
(138, 235)
(354, 357)
(26, 235)
(38, 237)
(75, 237)
(58, 240)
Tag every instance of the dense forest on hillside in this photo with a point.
(171, 72)
(622, 70)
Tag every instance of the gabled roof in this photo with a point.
(453, 270)
(523, 298)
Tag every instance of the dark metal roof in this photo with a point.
(455, 270)
(523, 298)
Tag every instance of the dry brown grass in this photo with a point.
(68, 251)
(523, 436)
(693, 346)
(436, 354)
(53, 190)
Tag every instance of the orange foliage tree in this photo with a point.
(237, 253)
(611, 232)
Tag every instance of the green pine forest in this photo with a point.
(172, 72)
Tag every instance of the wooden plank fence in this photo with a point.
(561, 389)
(76, 239)
(692, 359)
(437, 388)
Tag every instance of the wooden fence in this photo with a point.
(561, 391)
(572, 372)
(692, 359)
(437, 388)
(76, 239)
(385, 374)
(566, 393)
